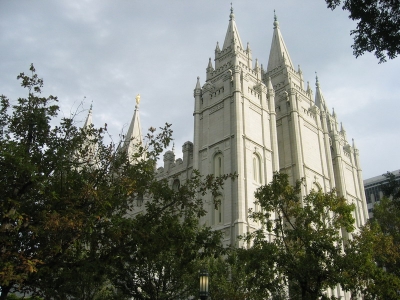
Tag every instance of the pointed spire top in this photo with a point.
(319, 98)
(173, 147)
(232, 35)
(210, 66)
(342, 127)
(198, 83)
(276, 23)
(333, 112)
(269, 84)
(217, 49)
(257, 65)
(134, 134)
(316, 80)
(88, 121)
(354, 144)
(278, 55)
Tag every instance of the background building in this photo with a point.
(373, 193)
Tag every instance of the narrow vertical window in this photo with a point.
(218, 165)
(257, 169)
(176, 185)
(218, 211)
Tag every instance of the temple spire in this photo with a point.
(89, 121)
(232, 34)
(278, 54)
(134, 136)
(319, 98)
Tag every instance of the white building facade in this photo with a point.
(254, 121)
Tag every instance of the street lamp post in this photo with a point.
(203, 285)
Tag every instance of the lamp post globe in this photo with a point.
(203, 291)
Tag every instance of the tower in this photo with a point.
(254, 122)
(235, 132)
(310, 145)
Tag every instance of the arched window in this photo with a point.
(176, 185)
(218, 164)
(257, 177)
(218, 217)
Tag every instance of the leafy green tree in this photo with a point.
(300, 238)
(378, 26)
(162, 253)
(67, 227)
(366, 255)
(240, 275)
(387, 216)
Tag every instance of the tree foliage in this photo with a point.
(300, 239)
(365, 273)
(378, 26)
(67, 211)
(387, 217)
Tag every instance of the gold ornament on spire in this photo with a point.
(137, 99)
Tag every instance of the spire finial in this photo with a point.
(231, 16)
(276, 23)
(137, 99)
(316, 80)
(91, 106)
(173, 147)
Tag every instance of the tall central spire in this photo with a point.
(278, 54)
(232, 34)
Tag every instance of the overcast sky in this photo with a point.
(108, 51)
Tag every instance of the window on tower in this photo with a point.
(257, 177)
(218, 164)
(218, 211)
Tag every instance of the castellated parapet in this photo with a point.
(177, 171)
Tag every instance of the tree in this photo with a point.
(240, 275)
(367, 254)
(378, 27)
(67, 225)
(387, 217)
(300, 237)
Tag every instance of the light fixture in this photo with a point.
(203, 285)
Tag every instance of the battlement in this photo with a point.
(174, 166)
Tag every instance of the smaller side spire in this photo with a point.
(217, 49)
(198, 87)
(269, 85)
(209, 69)
(210, 66)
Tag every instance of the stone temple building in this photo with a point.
(254, 121)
